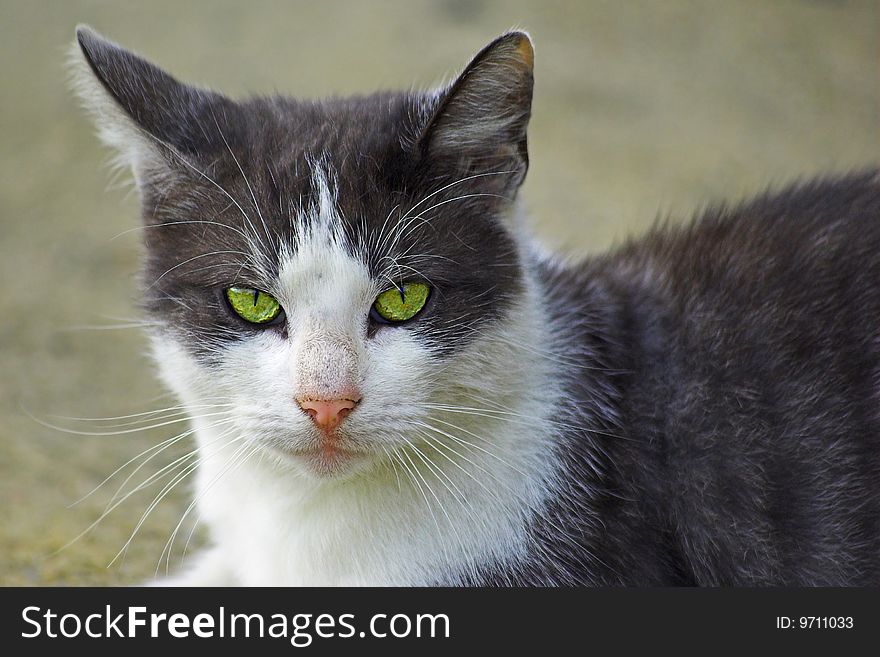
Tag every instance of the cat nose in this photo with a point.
(327, 413)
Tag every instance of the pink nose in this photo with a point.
(327, 413)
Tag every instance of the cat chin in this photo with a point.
(323, 464)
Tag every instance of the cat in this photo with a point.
(392, 384)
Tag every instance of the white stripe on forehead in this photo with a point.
(320, 221)
(319, 279)
(323, 215)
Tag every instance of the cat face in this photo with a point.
(280, 235)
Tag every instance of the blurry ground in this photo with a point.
(641, 107)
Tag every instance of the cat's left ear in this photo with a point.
(480, 120)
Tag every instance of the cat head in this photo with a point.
(327, 275)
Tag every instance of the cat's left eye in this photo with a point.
(400, 304)
(254, 306)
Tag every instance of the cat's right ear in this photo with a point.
(150, 118)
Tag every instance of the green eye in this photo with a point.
(396, 305)
(252, 305)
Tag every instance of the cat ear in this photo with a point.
(480, 120)
(141, 111)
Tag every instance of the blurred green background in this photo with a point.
(641, 108)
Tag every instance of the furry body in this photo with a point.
(741, 362)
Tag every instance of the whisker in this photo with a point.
(160, 447)
(188, 470)
(179, 407)
(246, 181)
(111, 507)
(108, 327)
(185, 434)
(248, 256)
(393, 466)
(232, 461)
(171, 149)
(166, 224)
(464, 442)
(438, 443)
(458, 182)
(415, 481)
(438, 472)
(121, 432)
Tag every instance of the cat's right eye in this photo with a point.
(254, 306)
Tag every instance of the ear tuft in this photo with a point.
(524, 49)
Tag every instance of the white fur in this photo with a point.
(276, 520)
